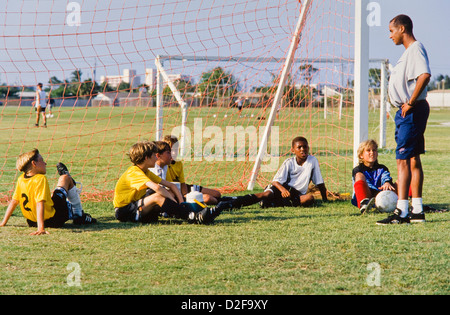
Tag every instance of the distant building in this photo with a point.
(150, 78)
(439, 98)
(129, 76)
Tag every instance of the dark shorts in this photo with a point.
(132, 211)
(278, 201)
(42, 110)
(409, 131)
(63, 210)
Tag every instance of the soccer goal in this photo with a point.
(235, 81)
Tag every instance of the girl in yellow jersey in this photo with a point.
(32, 193)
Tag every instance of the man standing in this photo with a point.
(40, 105)
(407, 90)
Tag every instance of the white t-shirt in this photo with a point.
(298, 176)
(413, 63)
(40, 99)
(159, 171)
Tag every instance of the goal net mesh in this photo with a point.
(96, 61)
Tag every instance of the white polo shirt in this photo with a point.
(299, 176)
(413, 63)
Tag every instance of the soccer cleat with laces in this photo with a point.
(63, 170)
(366, 205)
(394, 219)
(206, 216)
(86, 218)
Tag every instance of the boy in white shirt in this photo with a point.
(289, 187)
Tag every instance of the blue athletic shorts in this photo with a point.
(409, 131)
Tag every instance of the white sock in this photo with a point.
(74, 199)
(403, 206)
(417, 206)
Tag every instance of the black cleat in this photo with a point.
(206, 216)
(394, 219)
(63, 170)
(85, 219)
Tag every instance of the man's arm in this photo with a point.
(421, 84)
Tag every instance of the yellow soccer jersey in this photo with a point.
(31, 190)
(131, 186)
(175, 172)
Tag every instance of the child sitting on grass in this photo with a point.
(369, 177)
(40, 208)
(139, 196)
(289, 187)
(175, 173)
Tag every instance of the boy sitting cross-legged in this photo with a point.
(139, 196)
(289, 187)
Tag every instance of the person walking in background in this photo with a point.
(40, 105)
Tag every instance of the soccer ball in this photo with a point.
(386, 201)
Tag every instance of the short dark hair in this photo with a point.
(299, 139)
(162, 146)
(405, 21)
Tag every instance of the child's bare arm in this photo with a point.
(9, 211)
(323, 191)
(174, 189)
(40, 219)
(284, 192)
(160, 190)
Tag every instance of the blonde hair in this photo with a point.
(171, 140)
(364, 145)
(24, 160)
(140, 150)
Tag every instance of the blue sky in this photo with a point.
(431, 27)
(117, 34)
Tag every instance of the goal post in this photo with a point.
(162, 75)
(361, 89)
(235, 81)
(280, 90)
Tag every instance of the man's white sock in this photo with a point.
(403, 206)
(417, 206)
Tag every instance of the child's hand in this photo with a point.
(285, 193)
(387, 186)
(40, 232)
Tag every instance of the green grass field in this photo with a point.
(325, 249)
